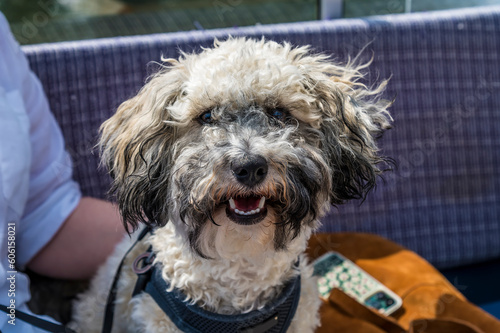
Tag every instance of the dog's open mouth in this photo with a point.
(247, 210)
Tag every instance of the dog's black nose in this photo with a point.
(250, 171)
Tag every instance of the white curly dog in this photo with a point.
(233, 155)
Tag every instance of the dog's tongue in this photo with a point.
(247, 203)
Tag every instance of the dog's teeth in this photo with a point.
(232, 205)
(261, 202)
(250, 212)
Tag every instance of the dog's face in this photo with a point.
(244, 146)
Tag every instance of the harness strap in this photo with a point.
(38, 322)
(110, 304)
(142, 267)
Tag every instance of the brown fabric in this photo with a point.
(430, 303)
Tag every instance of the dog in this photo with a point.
(233, 155)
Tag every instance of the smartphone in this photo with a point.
(335, 271)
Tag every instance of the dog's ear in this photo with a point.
(352, 117)
(135, 145)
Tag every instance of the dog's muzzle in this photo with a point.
(249, 209)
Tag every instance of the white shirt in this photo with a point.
(37, 192)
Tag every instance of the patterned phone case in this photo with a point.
(335, 271)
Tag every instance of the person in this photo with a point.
(45, 223)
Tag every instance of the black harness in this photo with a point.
(275, 317)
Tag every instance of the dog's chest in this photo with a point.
(219, 289)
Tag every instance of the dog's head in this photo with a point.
(244, 146)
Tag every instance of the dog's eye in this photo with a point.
(278, 113)
(206, 117)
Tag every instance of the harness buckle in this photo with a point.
(143, 263)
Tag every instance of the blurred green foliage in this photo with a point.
(19, 10)
(39, 21)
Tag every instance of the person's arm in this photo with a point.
(82, 244)
(59, 234)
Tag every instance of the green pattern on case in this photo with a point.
(345, 277)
